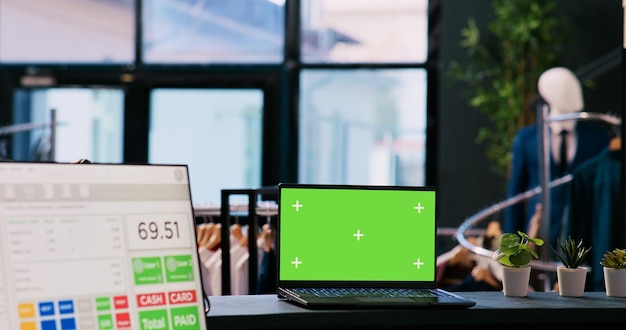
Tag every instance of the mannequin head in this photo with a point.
(562, 91)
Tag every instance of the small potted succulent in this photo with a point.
(515, 253)
(572, 275)
(614, 267)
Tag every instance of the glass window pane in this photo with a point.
(216, 132)
(89, 124)
(67, 31)
(372, 31)
(363, 127)
(218, 31)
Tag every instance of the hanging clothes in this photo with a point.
(595, 211)
(238, 274)
(526, 174)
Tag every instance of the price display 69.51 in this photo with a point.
(158, 231)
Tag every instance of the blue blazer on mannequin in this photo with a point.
(526, 174)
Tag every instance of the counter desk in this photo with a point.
(492, 310)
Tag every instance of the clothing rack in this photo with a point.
(254, 208)
(265, 208)
(543, 188)
(544, 120)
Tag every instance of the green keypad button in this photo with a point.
(105, 322)
(148, 270)
(154, 320)
(178, 268)
(103, 304)
(185, 318)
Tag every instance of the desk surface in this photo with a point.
(492, 309)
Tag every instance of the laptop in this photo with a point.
(380, 241)
(98, 246)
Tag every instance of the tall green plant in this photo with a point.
(503, 65)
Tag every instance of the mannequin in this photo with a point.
(562, 92)
(560, 88)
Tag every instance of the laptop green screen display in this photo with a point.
(346, 233)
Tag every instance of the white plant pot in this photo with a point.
(615, 282)
(571, 281)
(515, 281)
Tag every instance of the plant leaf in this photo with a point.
(522, 257)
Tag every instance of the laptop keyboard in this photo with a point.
(366, 292)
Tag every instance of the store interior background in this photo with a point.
(464, 177)
(457, 165)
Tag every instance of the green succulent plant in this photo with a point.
(570, 252)
(515, 251)
(614, 259)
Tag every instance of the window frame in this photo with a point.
(279, 83)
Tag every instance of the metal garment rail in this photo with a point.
(253, 212)
(466, 226)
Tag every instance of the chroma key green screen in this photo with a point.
(345, 233)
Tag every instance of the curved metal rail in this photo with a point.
(495, 208)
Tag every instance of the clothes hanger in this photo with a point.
(207, 233)
(215, 239)
(265, 234)
(268, 237)
(236, 231)
(615, 143)
(244, 238)
(201, 230)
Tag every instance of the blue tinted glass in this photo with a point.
(89, 124)
(219, 31)
(216, 132)
(363, 126)
(67, 31)
(364, 31)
